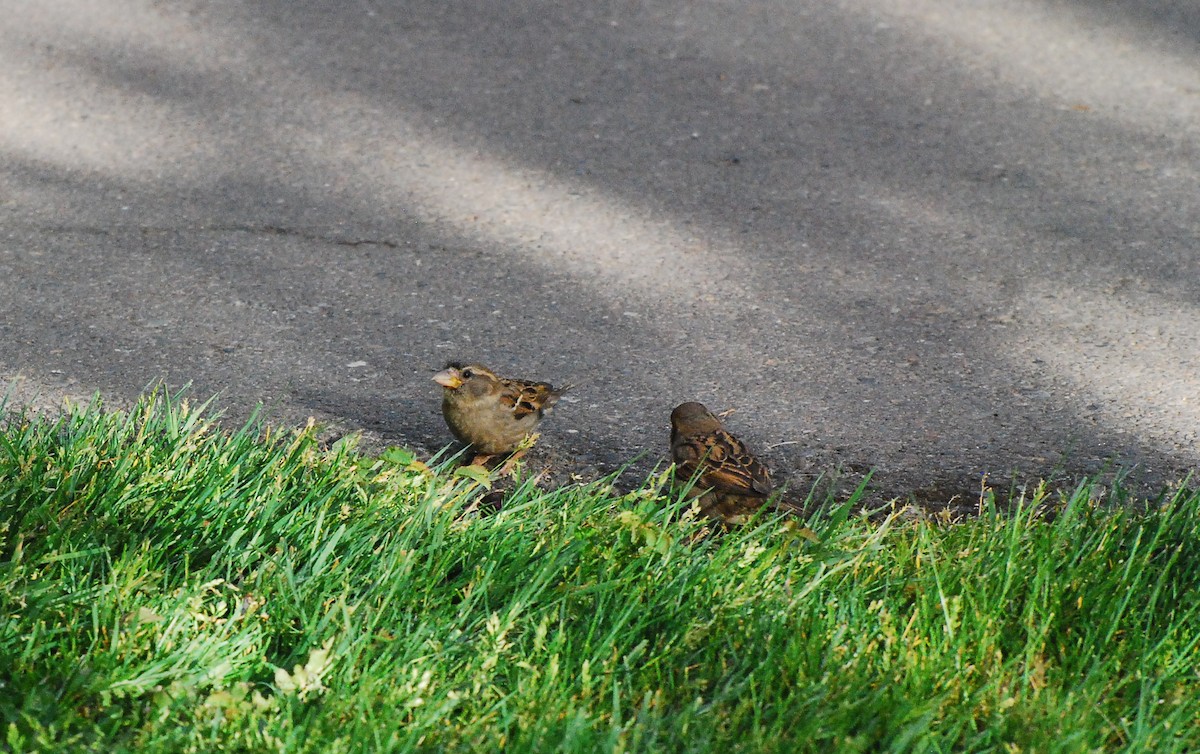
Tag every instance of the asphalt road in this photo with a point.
(944, 239)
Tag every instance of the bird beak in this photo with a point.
(449, 378)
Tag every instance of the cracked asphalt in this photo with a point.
(955, 242)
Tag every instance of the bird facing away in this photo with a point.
(730, 483)
(492, 414)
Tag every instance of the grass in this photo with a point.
(169, 586)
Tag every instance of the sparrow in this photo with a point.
(492, 414)
(730, 483)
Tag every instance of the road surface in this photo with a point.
(955, 242)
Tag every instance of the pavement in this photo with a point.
(953, 241)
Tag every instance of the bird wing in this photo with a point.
(524, 397)
(724, 464)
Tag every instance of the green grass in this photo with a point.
(167, 586)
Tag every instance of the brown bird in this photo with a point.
(730, 483)
(492, 414)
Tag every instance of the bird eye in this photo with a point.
(467, 374)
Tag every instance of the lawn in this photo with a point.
(169, 585)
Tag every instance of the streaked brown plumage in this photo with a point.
(731, 484)
(492, 414)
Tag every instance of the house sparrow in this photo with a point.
(492, 414)
(730, 483)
